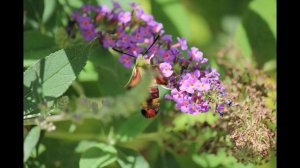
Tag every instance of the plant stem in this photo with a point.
(53, 118)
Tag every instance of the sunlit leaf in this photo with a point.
(128, 158)
(89, 73)
(125, 4)
(98, 156)
(268, 14)
(257, 32)
(51, 76)
(174, 24)
(84, 145)
(49, 10)
(30, 141)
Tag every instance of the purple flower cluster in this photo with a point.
(194, 87)
(194, 90)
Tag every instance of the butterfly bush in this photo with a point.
(194, 86)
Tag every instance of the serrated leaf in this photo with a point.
(128, 158)
(50, 77)
(98, 156)
(30, 141)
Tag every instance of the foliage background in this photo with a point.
(246, 27)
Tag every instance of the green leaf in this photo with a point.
(34, 9)
(37, 45)
(111, 73)
(74, 4)
(209, 160)
(270, 164)
(125, 4)
(167, 160)
(134, 125)
(59, 153)
(270, 66)
(30, 141)
(98, 156)
(116, 100)
(87, 129)
(182, 119)
(88, 73)
(84, 145)
(220, 159)
(128, 158)
(214, 11)
(199, 32)
(61, 37)
(41, 148)
(267, 11)
(49, 10)
(171, 161)
(174, 24)
(50, 77)
(256, 35)
(63, 40)
(123, 104)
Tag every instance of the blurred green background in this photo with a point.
(245, 27)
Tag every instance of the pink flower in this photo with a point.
(195, 54)
(126, 60)
(182, 42)
(204, 85)
(166, 69)
(124, 17)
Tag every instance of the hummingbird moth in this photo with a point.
(150, 107)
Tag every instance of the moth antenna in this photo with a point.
(151, 44)
(123, 52)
